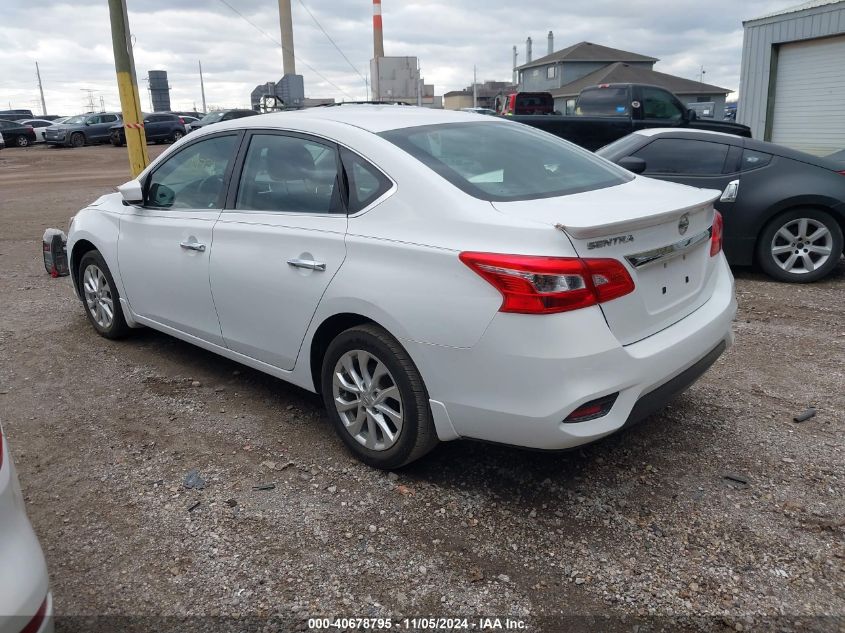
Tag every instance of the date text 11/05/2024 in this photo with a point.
(417, 624)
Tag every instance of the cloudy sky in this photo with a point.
(72, 44)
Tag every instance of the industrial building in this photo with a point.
(792, 85)
(564, 73)
(397, 78)
(159, 89)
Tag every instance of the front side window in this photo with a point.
(92, 120)
(684, 156)
(194, 177)
(366, 182)
(659, 104)
(289, 174)
(501, 161)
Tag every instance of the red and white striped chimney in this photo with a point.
(378, 35)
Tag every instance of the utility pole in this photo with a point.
(202, 88)
(474, 87)
(127, 84)
(41, 90)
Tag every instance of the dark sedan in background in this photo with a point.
(782, 209)
(221, 115)
(158, 128)
(17, 134)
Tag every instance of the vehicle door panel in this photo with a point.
(277, 245)
(165, 246)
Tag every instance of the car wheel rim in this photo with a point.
(367, 400)
(802, 246)
(177, 135)
(98, 296)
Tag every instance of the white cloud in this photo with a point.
(72, 43)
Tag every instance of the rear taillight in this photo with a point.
(546, 285)
(716, 234)
(841, 173)
(181, 120)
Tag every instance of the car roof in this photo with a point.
(739, 141)
(373, 118)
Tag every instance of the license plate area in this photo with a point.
(668, 284)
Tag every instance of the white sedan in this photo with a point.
(40, 126)
(25, 600)
(434, 275)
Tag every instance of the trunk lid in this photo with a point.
(660, 231)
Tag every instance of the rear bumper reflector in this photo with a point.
(593, 409)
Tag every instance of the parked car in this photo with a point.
(2, 142)
(158, 127)
(610, 111)
(84, 129)
(188, 120)
(783, 209)
(25, 601)
(221, 115)
(526, 103)
(14, 115)
(39, 126)
(421, 247)
(16, 133)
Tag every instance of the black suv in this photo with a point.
(158, 127)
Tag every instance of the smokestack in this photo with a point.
(528, 51)
(551, 43)
(286, 22)
(515, 77)
(378, 35)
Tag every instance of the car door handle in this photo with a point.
(193, 246)
(308, 264)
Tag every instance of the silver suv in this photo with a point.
(84, 129)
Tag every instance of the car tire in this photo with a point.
(99, 296)
(784, 253)
(387, 384)
(177, 134)
(77, 139)
(22, 141)
(116, 140)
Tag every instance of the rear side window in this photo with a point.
(289, 174)
(753, 160)
(504, 161)
(366, 182)
(683, 156)
(603, 102)
(108, 118)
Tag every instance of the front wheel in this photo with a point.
(100, 296)
(376, 398)
(800, 246)
(77, 139)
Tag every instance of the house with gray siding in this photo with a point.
(792, 85)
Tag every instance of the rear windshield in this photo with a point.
(506, 161)
(603, 102)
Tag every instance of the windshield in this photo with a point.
(212, 117)
(75, 120)
(504, 161)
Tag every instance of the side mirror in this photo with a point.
(633, 164)
(692, 115)
(132, 192)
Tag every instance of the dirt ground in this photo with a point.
(720, 513)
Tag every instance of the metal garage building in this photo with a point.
(792, 89)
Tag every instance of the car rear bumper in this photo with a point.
(24, 585)
(528, 373)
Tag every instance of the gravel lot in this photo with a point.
(719, 513)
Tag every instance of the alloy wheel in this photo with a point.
(802, 245)
(98, 296)
(367, 399)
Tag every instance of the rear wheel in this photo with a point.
(100, 297)
(177, 134)
(77, 139)
(22, 141)
(116, 140)
(800, 246)
(376, 398)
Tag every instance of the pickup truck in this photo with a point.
(608, 112)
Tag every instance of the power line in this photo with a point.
(320, 26)
(284, 48)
